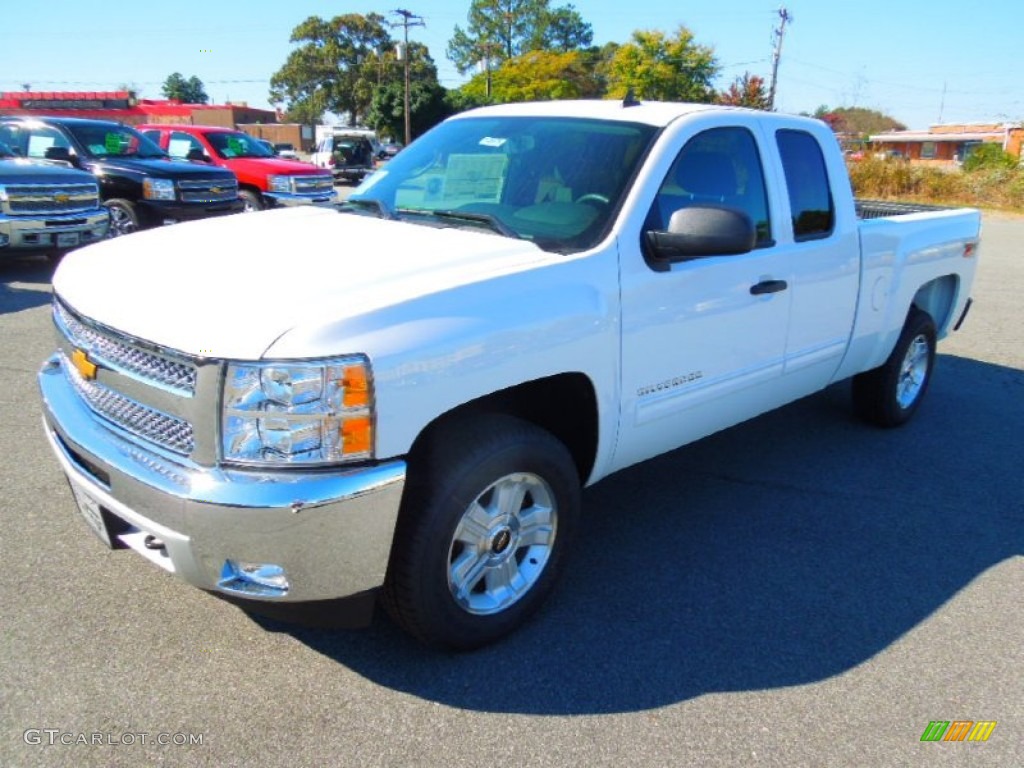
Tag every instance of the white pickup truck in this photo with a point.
(402, 395)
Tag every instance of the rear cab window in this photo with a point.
(807, 183)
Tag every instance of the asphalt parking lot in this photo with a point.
(801, 590)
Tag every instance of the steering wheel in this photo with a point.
(592, 197)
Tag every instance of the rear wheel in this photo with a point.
(123, 218)
(483, 533)
(890, 394)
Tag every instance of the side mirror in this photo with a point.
(701, 231)
(197, 155)
(60, 154)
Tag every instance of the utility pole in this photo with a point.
(777, 34)
(409, 19)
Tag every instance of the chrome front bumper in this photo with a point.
(40, 232)
(288, 199)
(330, 532)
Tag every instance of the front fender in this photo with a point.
(437, 352)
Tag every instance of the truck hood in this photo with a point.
(157, 167)
(22, 171)
(229, 287)
(262, 166)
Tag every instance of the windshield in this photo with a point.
(108, 140)
(231, 144)
(553, 180)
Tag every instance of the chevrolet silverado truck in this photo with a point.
(531, 297)
(45, 209)
(264, 180)
(139, 184)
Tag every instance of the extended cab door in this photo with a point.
(820, 242)
(703, 342)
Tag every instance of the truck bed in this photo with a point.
(877, 209)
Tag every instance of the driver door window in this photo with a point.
(719, 167)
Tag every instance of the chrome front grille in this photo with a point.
(168, 431)
(124, 355)
(42, 199)
(208, 190)
(308, 185)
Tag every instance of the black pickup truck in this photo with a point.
(138, 183)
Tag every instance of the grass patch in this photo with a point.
(986, 187)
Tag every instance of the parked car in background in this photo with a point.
(264, 180)
(138, 183)
(389, 149)
(349, 153)
(45, 208)
(286, 150)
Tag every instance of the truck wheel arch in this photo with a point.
(937, 298)
(564, 405)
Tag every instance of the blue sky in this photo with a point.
(918, 62)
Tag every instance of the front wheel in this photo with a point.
(890, 394)
(484, 529)
(123, 218)
(252, 201)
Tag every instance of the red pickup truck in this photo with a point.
(264, 180)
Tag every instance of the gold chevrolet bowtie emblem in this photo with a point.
(83, 364)
(62, 197)
(216, 190)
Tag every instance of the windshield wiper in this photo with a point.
(377, 206)
(488, 220)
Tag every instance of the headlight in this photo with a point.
(298, 413)
(281, 184)
(158, 189)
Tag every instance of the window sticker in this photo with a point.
(178, 147)
(37, 145)
(235, 146)
(491, 141)
(112, 143)
(474, 179)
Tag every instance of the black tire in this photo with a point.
(451, 487)
(124, 219)
(890, 394)
(253, 200)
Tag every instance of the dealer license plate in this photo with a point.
(92, 513)
(67, 239)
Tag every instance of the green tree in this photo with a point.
(746, 91)
(498, 30)
(537, 76)
(336, 67)
(989, 156)
(428, 103)
(665, 68)
(187, 90)
(858, 120)
(566, 31)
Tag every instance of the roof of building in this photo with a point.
(986, 132)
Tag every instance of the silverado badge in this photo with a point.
(82, 363)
